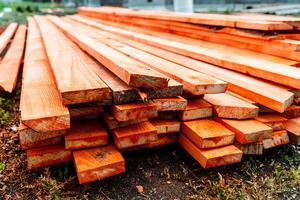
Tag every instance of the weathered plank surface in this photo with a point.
(98, 163)
(49, 155)
(274, 120)
(41, 106)
(85, 134)
(174, 89)
(247, 131)
(211, 157)
(11, 63)
(170, 104)
(134, 73)
(227, 106)
(6, 35)
(134, 135)
(293, 127)
(196, 109)
(133, 111)
(166, 126)
(85, 110)
(207, 133)
(292, 111)
(278, 138)
(112, 123)
(255, 148)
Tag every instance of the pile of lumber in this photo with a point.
(98, 84)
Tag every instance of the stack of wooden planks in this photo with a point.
(112, 80)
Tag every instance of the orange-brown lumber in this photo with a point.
(112, 123)
(133, 111)
(278, 138)
(11, 63)
(6, 35)
(292, 111)
(49, 155)
(134, 135)
(207, 133)
(85, 134)
(274, 120)
(255, 148)
(170, 104)
(246, 131)
(98, 163)
(166, 126)
(265, 93)
(41, 105)
(211, 157)
(228, 106)
(196, 109)
(212, 53)
(76, 112)
(134, 73)
(174, 89)
(76, 80)
(293, 127)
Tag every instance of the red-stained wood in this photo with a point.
(293, 127)
(85, 134)
(134, 73)
(134, 135)
(211, 157)
(41, 105)
(11, 63)
(278, 138)
(112, 123)
(255, 148)
(274, 120)
(196, 109)
(49, 155)
(133, 111)
(228, 106)
(6, 35)
(247, 131)
(166, 126)
(170, 104)
(207, 133)
(98, 163)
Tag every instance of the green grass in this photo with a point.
(5, 108)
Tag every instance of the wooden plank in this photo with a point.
(166, 126)
(167, 115)
(247, 131)
(273, 120)
(134, 135)
(76, 81)
(130, 71)
(41, 106)
(255, 148)
(133, 111)
(11, 63)
(196, 109)
(227, 106)
(98, 163)
(292, 111)
(293, 127)
(174, 89)
(85, 134)
(278, 138)
(207, 133)
(44, 143)
(49, 155)
(211, 157)
(86, 110)
(170, 104)
(211, 53)
(6, 35)
(112, 123)
(28, 138)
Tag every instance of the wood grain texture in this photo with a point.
(11, 63)
(274, 120)
(196, 109)
(133, 111)
(41, 105)
(227, 106)
(112, 123)
(293, 127)
(292, 111)
(6, 35)
(46, 156)
(255, 148)
(85, 134)
(215, 157)
(246, 131)
(134, 135)
(170, 104)
(278, 138)
(134, 73)
(207, 133)
(166, 126)
(85, 111)
(98, 163)
(174, 89)
(76, 80)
